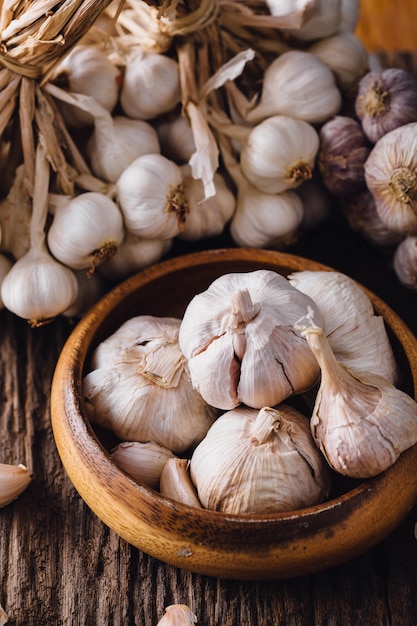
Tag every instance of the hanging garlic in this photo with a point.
(259, 461)
(391, 177)
(343, 151)
(150, 86)
(178, 615)
(239, 341)
(134, 254)
(15, 216)
(87, 70)
(346, 56)
(299, 85)
(405, 262)
(324, 21)
(206, 217)
(151, 196)
(360, 421)
(144, 462)
(176, 139)
(14, 479)
(356, 335)
(175, 482)
(85, 230)
(5, 266)
(91, 287)
(139, 386)
(37, 287)
(279, 154)
(386, 99)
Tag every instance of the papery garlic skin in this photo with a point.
(139, 386)
(360, 421)
(178, 615)
(142, 461)
(405, 262)
(325, 20)
(151, 197)
(240, 344)
(391, 177)
(14, 479)
(299, 85)
(15, 215)
(356, 335)
(150, 85)
(175, 482)
(279, 154)
(86, 230)
(264, 461)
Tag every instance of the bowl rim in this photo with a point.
(68, 375)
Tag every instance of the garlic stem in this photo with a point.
(40, 200)
(264, 424)
(332, 374)
(242, 308)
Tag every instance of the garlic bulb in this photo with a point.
(349, 15)
(142, 461)
(150, 86)
(405, 262)
(343, 151)
(175, 482)
(207, 217)
(5, 266)
(356, 335)
(114, 144)
(391, 177)
(134, 254)
(386, 99)
(85, 230)
(176, 139)
(259, 461)
(306, 86)
(139, 386)
(346, 56)
(324, 21)
(240, 344)
(91, 287)
(178, 615)
(151, 196)
(14, 479)
(360, 421)
(279, 154)
(87, 70)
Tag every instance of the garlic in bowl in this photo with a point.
(358, 514)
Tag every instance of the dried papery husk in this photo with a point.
(356, 335)
(361, 422)
(176, 483)
(405, 262)
(262, 461)
(240, 344)
(15, 215)
(14, 479)
(391, 177)
(178, 615)
(139, 386)
(144, 462)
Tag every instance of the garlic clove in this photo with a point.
(175, 482)
(14, 479)
(142, 461)
(361, 422)
(178, 615)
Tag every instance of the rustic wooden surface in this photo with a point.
(60, 566)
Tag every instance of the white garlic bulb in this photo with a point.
(118, 141)
(142, 461)
(85, 230)
(240, 344)
(207, 217)
(279, 154)
(5, 266)
(325, 20)
(139, 386)
(259, 461)
(297, 84)
(356, 335)
(150, 193)
(176, 139)
(150, 86)
(14, 479)
(178, 615)
(360, 421)
(391, 177)
(87, 70)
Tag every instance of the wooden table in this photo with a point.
(60, 566)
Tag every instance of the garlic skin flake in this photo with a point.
(14, 479)
(262, 461)
(139, 386)
(142, 461)
(360, 421)
(178, 615)
(240, 343)
(356, 335)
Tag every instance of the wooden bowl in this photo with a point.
(252, 547)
